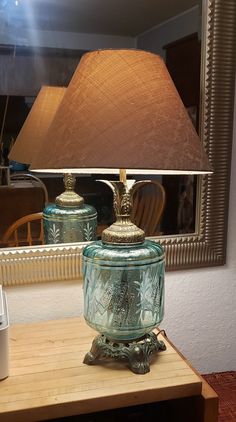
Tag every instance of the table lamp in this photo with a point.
(69, 219)
(121, 112)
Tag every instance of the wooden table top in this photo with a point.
(48, 378)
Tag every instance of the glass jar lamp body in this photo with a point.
(69, 224)
(123, 289)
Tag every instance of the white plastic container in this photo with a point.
(4, 336)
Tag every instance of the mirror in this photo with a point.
(206, 246)
(180, 49)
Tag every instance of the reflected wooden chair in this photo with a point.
(26, 231)
(31, 177)
(148, 206)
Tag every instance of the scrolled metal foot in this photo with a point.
(137, 353)
(94, 353)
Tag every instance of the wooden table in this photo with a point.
(48, 379)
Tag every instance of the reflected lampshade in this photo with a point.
(36, 124)
(69, 219)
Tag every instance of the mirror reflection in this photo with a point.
(41, 44)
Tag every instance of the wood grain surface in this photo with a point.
(48, 378)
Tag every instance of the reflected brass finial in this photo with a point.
(69, 198)
(123, 231)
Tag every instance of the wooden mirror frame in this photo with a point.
(207, 246)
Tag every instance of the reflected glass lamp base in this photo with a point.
(69, 219)
(67, 225)
(137, 353)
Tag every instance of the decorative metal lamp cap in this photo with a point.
(69, 198)
(123, 231)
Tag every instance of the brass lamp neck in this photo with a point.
(123, 231)
(69, 198)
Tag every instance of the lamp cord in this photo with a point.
(162, 332)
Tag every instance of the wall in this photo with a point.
(169, 31)
(57, 39)
(45, 69)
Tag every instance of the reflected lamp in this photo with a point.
(122, 114)
(69, 219)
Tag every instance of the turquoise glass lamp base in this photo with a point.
(69, 224)
(124, 287)
(124, 300)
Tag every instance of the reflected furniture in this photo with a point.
(183, 61)
(4, 176)
(48, 380)
(21, 198)
(148, 206)
(30, 177)
(26, 231)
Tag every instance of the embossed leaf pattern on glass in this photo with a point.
(69, 230)
(123, 299)
(54, 234)
(88, 232)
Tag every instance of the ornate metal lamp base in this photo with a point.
(137, 352)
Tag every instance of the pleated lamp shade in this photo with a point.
(36, 124)
(122, 110)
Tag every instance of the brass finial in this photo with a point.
(69, 198)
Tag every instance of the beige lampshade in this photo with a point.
(36, 124)
(122, 110)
